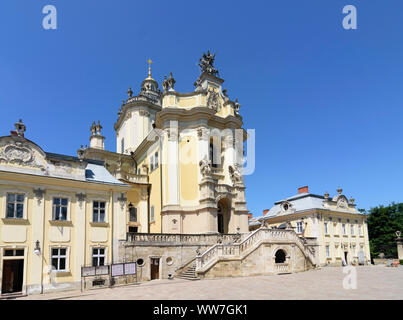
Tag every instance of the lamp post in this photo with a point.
(37, 249)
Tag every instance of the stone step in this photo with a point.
(188, 277)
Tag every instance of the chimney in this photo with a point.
(303, 190)
(250, 216)
(266, 211)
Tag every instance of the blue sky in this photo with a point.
(326, 103)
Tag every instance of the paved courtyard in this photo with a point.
(373, 282)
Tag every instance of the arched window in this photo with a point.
(280, 256)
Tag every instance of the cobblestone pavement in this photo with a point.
(373, 282)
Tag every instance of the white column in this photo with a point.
(79, 234)
(173, 163)
(119, 216)
(36, 267)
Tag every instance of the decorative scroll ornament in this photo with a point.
(342, 203)
(122, 200)
(213, 101)
(39, 194)
(18, 152)
(81, 198)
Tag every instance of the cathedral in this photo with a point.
(181, 153)
(170, 202)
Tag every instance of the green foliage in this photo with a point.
(401, 262)
(383, 222)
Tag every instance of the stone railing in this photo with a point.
(175, 239)
(273, 235)
(133, 178)
(281, 267)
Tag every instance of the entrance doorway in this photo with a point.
(223, 208)
(280, 256)
(345, 256)
(13, 271)
(155, 268)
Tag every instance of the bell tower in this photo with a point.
(137, 115)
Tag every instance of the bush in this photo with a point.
(401, 262)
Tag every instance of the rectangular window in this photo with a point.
(98, 257)
(122, 145)
(133, 214)
(14, 253)
(15, 206)
(326, 230)
(156, 160)
(98, 211)
(152, 214)
(352, 229)
(133, 229)
(343, 227)
(60, 209)
(152, 163)
(59, 258)
(327, 251)
(299, 227)
(139, 171)
(360, 230)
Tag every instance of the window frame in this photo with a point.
(15, 204)
(156, 163)
(98, 256)
(300, 227)
(327, 249)
(136, 214)
(122, 145)
(58, 257)
(325, 225)
(60, 197)
(99, 208)
(152, 163)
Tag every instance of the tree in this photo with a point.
(383, 222)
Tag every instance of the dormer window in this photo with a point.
(285, 206)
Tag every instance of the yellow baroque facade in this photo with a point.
(58, 213)
(339, 229)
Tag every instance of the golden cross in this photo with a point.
(149, 67)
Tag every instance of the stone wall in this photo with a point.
(171, 257)
(260, 261)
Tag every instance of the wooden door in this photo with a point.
(13, 271)
(155, 268)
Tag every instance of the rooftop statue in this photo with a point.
(206, 64)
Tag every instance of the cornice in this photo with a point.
(134, 105)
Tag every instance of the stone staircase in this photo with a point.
(225, 252)
(189, 273)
